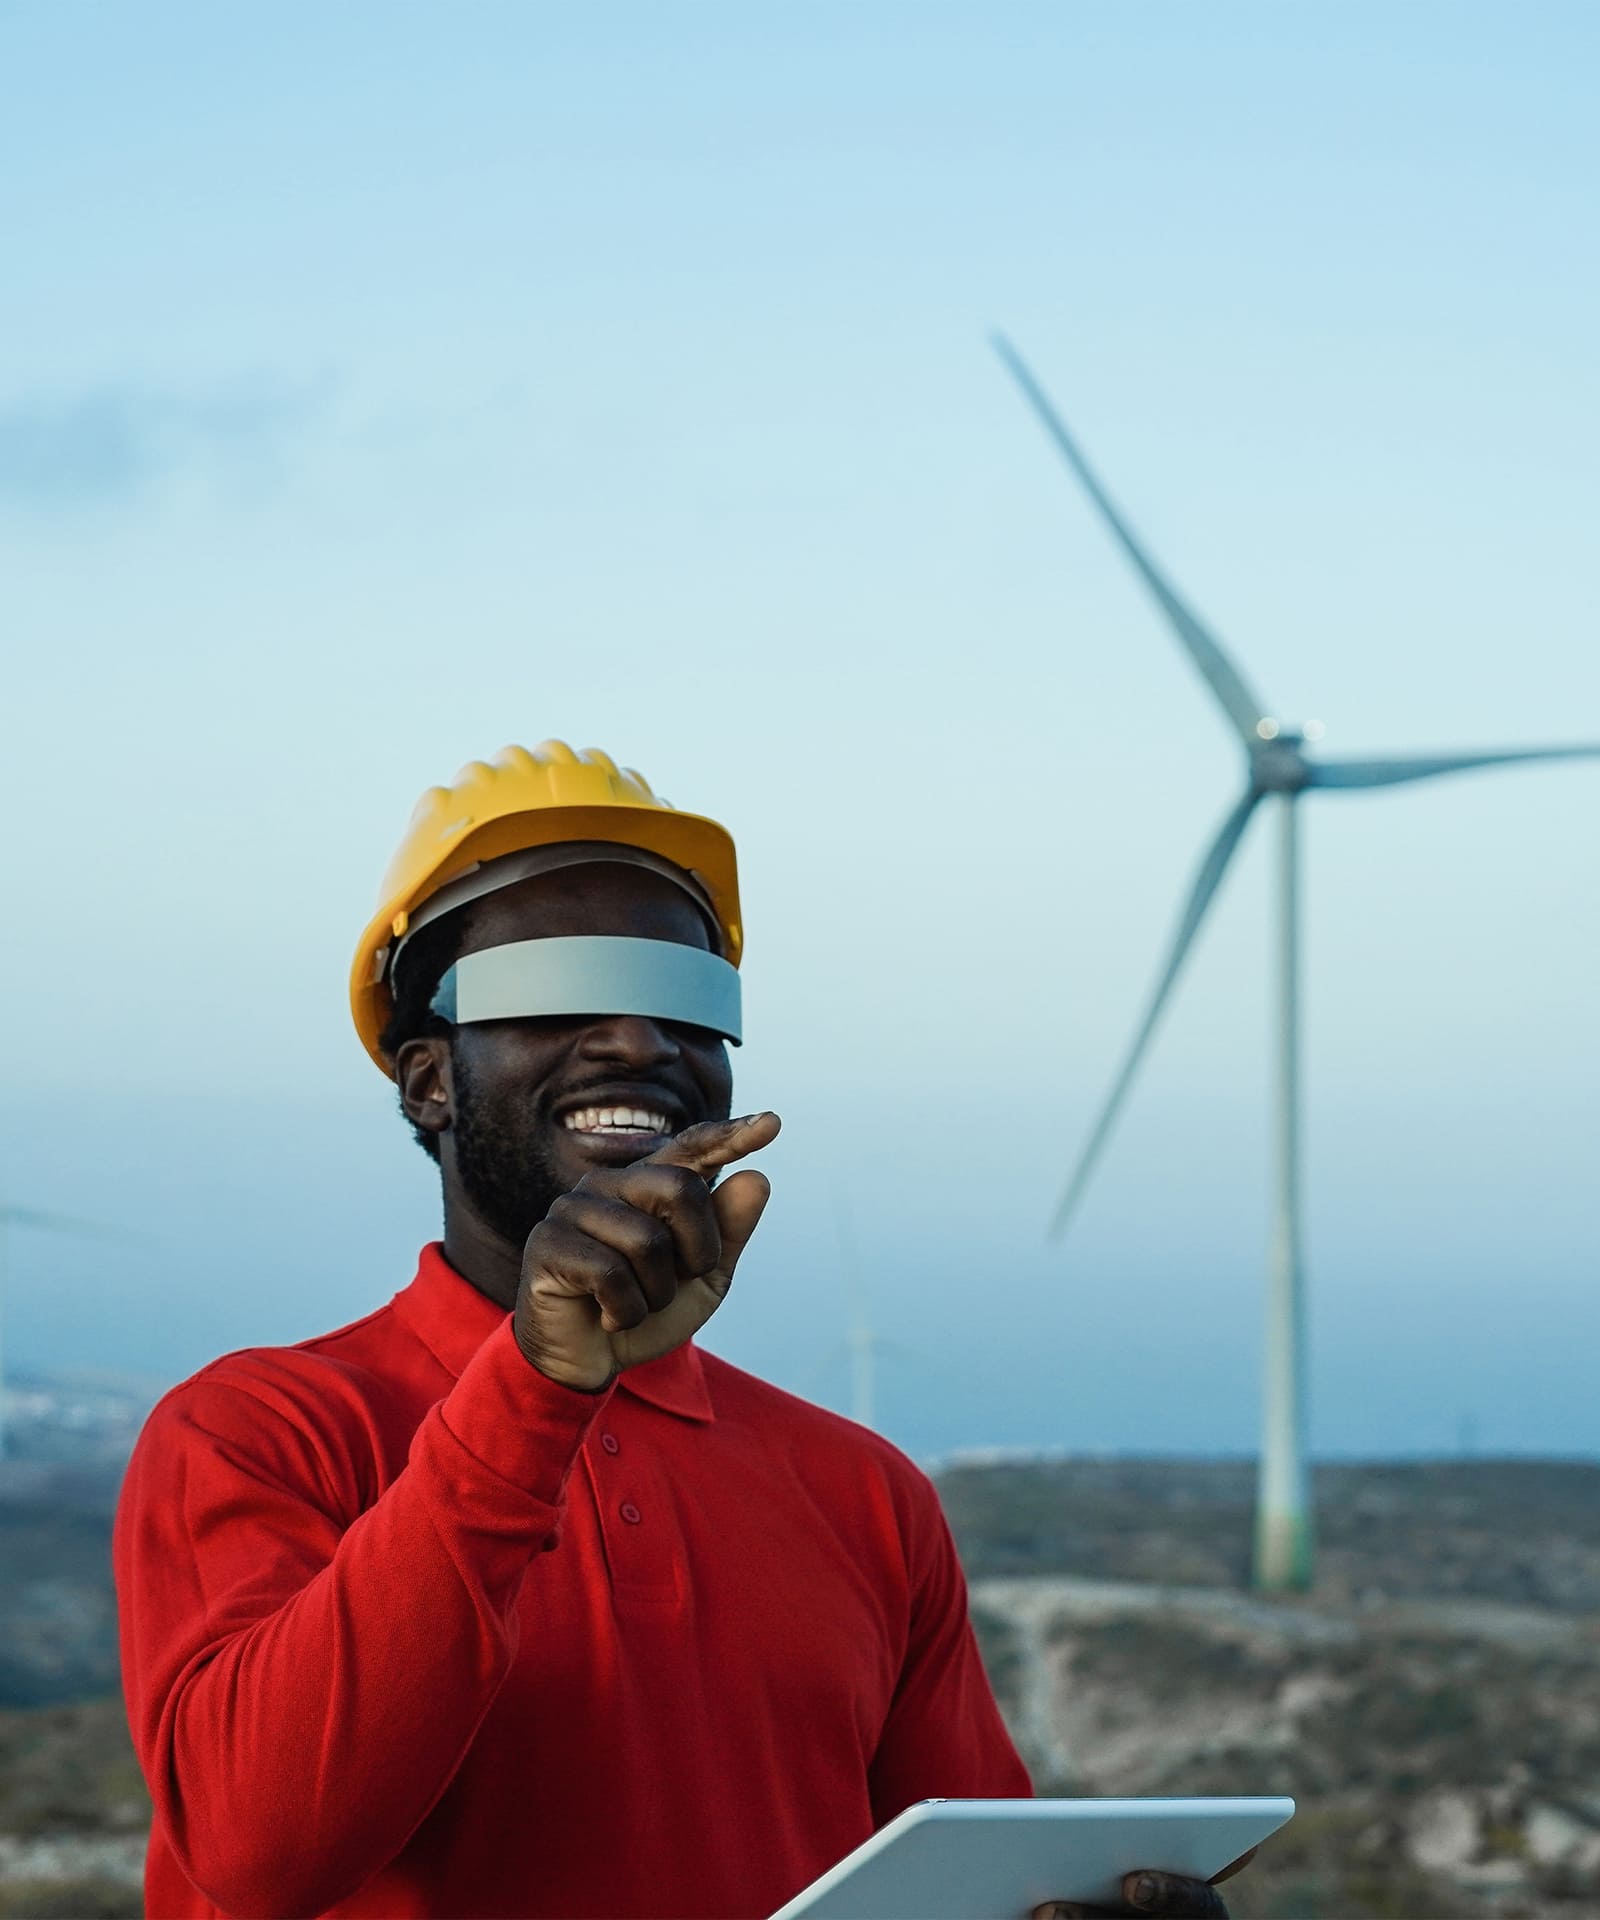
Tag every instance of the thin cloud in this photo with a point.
(112, 444)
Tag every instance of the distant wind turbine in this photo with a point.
(862, 1343)
(860, 1346)
(38, 1221)
(1278, 769)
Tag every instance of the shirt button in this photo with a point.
(610, 1443)
(630, 1513)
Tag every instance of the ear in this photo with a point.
(427, 1090)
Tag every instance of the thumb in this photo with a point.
(739, 1204)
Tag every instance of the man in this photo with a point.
(507, 1600)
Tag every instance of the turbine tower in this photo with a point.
(1278, 771)
(861, 1342)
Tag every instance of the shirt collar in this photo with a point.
(452, 1320)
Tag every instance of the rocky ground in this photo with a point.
(73, 1809)
(1434, 1705)
(73, 1813)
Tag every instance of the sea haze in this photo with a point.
(252, 1223)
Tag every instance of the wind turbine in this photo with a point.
(860, 1346)
(1278, 770)
(861, 1342)
(39, 1221)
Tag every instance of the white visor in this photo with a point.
(593, 974)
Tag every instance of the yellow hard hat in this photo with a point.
(517, 801)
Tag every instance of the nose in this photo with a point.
(631, 1039)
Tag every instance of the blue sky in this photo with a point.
(384, 384)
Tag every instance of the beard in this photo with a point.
(503, 1158)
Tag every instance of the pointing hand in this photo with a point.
(635, 1260)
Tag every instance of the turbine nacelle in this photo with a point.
(1277, 762)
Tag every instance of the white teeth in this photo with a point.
(616, 1120)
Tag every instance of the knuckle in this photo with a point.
(546, 1241)
(698, 1212)
(709, 1256)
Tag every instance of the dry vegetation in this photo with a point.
(1434, 1706)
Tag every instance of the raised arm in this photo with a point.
(306, 1667)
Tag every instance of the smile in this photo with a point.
(616, 1120)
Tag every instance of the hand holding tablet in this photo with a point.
(1004, 1859)
(1161, 1896)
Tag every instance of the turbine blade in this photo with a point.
(1201, 894)
(1218, 671)
(1392, 773)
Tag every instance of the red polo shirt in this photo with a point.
(408, 1629)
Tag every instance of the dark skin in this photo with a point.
(1143, 1891)
(611, 1248)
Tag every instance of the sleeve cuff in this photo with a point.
(524, 1427)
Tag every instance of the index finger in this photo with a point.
(716, 1143)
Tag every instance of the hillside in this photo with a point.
(1434, 1705)
(1526, 1532)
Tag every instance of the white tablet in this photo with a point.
(999, 1859)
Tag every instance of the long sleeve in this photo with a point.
(944, 1737)
(303, 1684)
